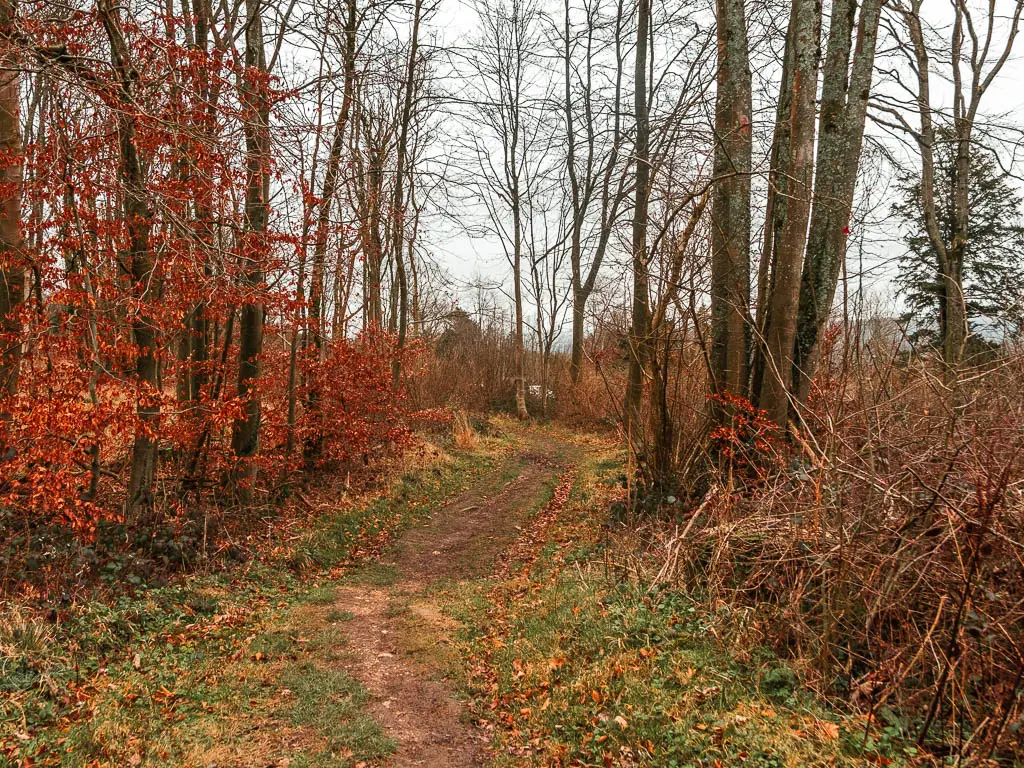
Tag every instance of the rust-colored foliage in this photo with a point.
(70, 433)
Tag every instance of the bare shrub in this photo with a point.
(888, 554)
(463, 433)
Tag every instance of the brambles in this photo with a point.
(885, 556)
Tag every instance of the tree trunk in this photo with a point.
(398, 207)
(577, 208)
(256, 108)
(640, 329)
(612, 191)
(330, 186)
(141, 265)
(776, 362)
(954, 330)
(373, 249)
(12, 258)
(841, 137)
(730, 212)
(662, 427)
(197, 330)
(576, 354)
(517, 277)
(313, 445)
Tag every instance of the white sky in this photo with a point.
(467, 257)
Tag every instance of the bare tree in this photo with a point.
(730, 223)
(503, 60)
(979, 45)
(808, 205)
(12, 269)
(331, 178)
(400, 200)
(789, 210)
(596, 170)
(547, 258)
(844, 101)
(641, 195)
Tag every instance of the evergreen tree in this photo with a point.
(994, 263)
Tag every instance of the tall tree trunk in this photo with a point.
(660, 459)
(579, 300)
(776, 351)
(256, 108)
(926, 144)
(640, 329)
(730, 212)
(313, 446)
(517, 277)
(612, 192)
(330, 185)
(12, 257)
(141, 265)
(373, 249)
(954, 327)
(841, 137)
(416, 315)
(513, 171)
(577, 208)
(198, 321)
(398, 206)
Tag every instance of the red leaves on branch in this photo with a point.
(67, 435)
(747, 441)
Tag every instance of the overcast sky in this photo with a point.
(468, 256)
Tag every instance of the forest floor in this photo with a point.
(481, 613)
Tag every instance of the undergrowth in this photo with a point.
(156, 675)
(578, 661)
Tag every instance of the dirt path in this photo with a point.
(400, 641)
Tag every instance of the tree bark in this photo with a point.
(12, 257)
(585, 189)
(256, 108)
(517, 277)
(776, 363)
(730, 209)
(373, 248)
(841, 138)
(196, 346)
(398, 206)
(330, 185)
(640, 329)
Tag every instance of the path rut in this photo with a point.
(463, 540)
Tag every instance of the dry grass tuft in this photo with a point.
(466, 438)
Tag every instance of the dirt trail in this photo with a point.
(463, 540)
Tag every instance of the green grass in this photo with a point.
(320, 596)
(152, 674)
(591, 669)
(610, 670)
(374, 574)
(331, 702)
